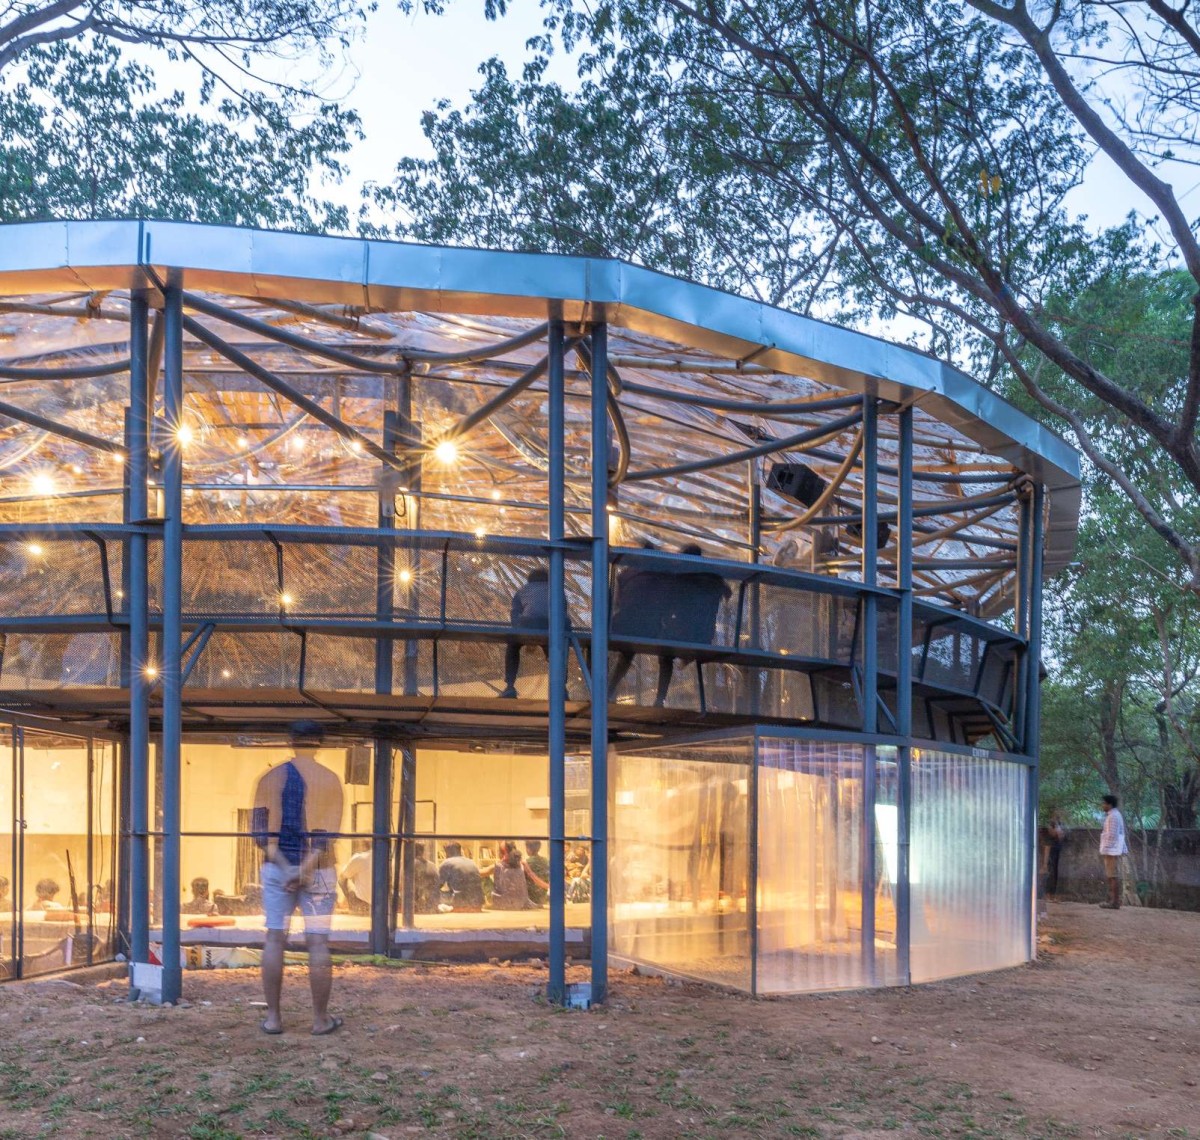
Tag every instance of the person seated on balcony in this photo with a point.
(691, 615)
(530, 610)
(537, 872)
(639, 601)
(425, 882)
(460, 880)
(355, 879)
(510, 889)
(200, 902)
(46, 890)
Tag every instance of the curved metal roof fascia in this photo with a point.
(50, 256)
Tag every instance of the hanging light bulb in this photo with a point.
(43, 484)
(405, 576)
(35, 549)
(183, 434)
(446, 452)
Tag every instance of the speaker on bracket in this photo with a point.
(883, 532)
(797, 481)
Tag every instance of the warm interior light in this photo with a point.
(405, 576)
(36, 549)
(480, 532)
(297, 444)
(183, 434)
(76, 469)
(496, 495)
(446, 452)
(151, 670)
(355, 445)
(43, 483)
(226, 674)
(286, 600)
(243, 442)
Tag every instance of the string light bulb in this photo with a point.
(36, 549)
(151, 670)
(446, 452)
(405, 576)
(183, 435)
(43, 484)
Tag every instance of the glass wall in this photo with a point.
(57, 851)
(456, 817)
(810, 867)
(967, 864)
(766, 863)
(679, 868)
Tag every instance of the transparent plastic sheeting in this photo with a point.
(683, 879)
(679, 868)
(810, 836)
(966, 864)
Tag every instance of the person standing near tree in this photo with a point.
(1112, 847)
(297, 814)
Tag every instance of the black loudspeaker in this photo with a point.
(796, 481)
(882, 533)
(358, 764)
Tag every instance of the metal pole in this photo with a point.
(557, 697)
(904, 708)
(599, 662)
(870, 687)
(172, 637)
(1033, 706)
(1024, 580)
(754, 535)
(139, 636)
(381, 804)
(410, 482)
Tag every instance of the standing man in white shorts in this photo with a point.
(297, 815)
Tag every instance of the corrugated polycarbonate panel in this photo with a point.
(679, 873)
(966, 864)
(810, 821)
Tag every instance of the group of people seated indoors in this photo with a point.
(514, 880)
(649, 603)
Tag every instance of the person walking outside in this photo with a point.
(1112, 847)
(297, 814)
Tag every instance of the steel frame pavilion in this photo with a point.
(173, 269)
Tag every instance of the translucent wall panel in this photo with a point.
(678, 870)
(810, 846)
(967, 864)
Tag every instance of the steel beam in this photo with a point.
(599, 704)
(172, 636)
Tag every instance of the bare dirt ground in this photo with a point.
(1100, 1038)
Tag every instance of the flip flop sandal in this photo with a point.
(269, 1032)
(333, 1027)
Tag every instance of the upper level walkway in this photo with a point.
(366, 628)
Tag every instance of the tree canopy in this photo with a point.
(901, 159)
(242, 136)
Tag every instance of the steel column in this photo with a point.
(904, 707)
(870, 678)
(172, 636)
(381, 801)
(1024, 581)
(599, 662)
(557, 665)
(1033, 703)
(410, 481)
(137, 599)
